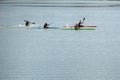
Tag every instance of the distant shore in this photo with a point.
(66, 3)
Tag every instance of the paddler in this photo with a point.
(46, 25)
(79, 24)
(27, 23)
(76, 27)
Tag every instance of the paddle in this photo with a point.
(49, 24)
(83, 20)
(30, 22)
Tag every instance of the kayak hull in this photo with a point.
(77, 29)
(32, 26)
(80, 28)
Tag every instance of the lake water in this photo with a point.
(38, 54)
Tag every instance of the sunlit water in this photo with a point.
(38, 54)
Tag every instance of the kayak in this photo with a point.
(80, 28)
(50, 28)
(32, 26)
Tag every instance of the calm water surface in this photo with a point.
(38, 54)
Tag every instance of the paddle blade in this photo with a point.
(25, 20)
(83, 18)
(30, 22)
(33, 22)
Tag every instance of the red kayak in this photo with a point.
(79, 28)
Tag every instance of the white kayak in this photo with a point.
(32, 26)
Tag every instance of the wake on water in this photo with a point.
(21, 26)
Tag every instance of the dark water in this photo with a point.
(38, 54)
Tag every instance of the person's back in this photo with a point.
(27, 23)
(45, 25)
(79, 24)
